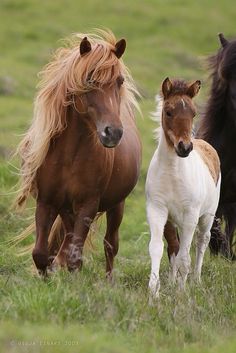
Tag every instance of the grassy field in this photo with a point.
(82, 312)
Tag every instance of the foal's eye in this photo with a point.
(120, 80)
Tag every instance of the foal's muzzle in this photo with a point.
(183, 149)
(110, 136)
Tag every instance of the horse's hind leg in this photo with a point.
(219, 241)
(45, 216)
(203, 238)
(83, 220)
(171, 236)
(111, 240)
(61, 257)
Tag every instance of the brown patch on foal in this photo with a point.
(209, 157)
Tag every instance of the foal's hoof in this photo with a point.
(153, 297)
(154, 287)
(110, 277)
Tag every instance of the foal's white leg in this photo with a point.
(182, 261)
(157, 218)
(203, 238)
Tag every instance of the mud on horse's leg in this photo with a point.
(111, 239)
(45, 216)
(83, 220)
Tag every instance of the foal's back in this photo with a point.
(209, 156)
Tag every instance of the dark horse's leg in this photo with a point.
(218, 242)
(171, 236)
(45, 216)
(230, 228)
(111, 240)
(83, 220)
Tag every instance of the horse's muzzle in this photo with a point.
(183, 149)
(110, 136)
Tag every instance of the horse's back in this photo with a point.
(209, 156)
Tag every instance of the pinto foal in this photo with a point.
(182, 187)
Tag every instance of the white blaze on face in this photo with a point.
(184, 104)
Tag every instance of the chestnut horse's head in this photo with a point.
(101, 101)
(178, 113)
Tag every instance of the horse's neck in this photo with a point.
(75, 133)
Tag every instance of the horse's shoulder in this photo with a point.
(209, 157)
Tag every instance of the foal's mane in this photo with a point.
(68, 75)
(221, 66)
(179, 87)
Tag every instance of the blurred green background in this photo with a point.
(81, 312)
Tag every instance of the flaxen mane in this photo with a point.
(66, 76)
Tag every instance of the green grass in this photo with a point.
(82, 312)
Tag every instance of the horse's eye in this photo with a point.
(168, 113)
(120, 80)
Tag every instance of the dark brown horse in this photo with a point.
(218, 127)
(81, 155)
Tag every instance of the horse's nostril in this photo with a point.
(181, 146)
(185, 147)
(108, 130)
(113, 132)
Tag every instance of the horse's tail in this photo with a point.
(54, 240)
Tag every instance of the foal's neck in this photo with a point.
(166, 153)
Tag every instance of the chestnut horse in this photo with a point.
(81, 156)
(183, 185)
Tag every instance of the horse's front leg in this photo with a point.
(84, 216)
(157, 219)
(111, 240)
(182, 262)
(44, 217)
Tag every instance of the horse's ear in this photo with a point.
(223, 41)
(166, 87)
(85, 46)
(120, 48)
(193, 89)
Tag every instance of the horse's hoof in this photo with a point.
(41, 261)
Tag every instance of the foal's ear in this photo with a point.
(120, 48)
(85, 46)
(223, 41)
(193, 89)
(166, 87)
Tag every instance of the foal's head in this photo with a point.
(101, 100)
(178, 113)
